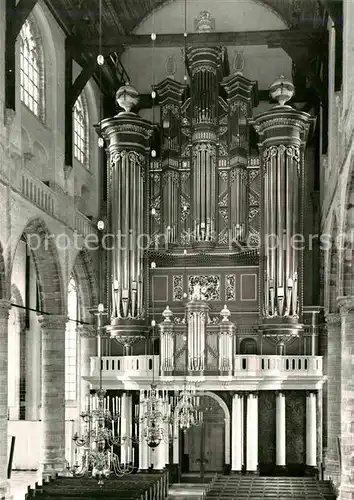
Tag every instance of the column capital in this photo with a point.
(346, 305)
(238, 394)
(251, 394)
(52, 321)
(280, 393)
(311, 392)
(5, 307)
(333, 319)
(87, 331)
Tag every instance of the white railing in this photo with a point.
(132, 366)
(273, 366)
(38, 192)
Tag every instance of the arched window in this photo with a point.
(31, 69)
(71, 342)
(81, 142)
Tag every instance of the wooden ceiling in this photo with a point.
(121, 17)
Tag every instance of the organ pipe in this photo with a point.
(127, 138)
(283, 133)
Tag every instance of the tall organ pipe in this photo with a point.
(282, 135)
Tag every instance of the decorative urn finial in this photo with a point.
(225, 313)
(167, 314)
(127, 97)
(282, 90)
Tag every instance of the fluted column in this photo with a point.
(226, 341)
(196, 320)
(127, 138)
(346, 307)
(144, 463)
(53, 394)
(282, 136)
(280, 460)
(311, 430)
(4, 317)
(237, 433)
(252, 433)
(334, 345)
(166, 342)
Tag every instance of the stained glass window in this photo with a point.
(80, 131)
(31, 69)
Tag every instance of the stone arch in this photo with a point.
(17, 300)
(3, 291)
(227, 420)
(45, 257)
(331, 282)
(87, 283)
(347, 244)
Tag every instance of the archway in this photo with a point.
(41, 246)
(205, 448)
(347, 246)
(17, 355)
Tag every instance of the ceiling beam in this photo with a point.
(16, 16)
(271, 38)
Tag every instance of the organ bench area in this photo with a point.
(235, 310)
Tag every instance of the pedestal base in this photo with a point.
(311, 470)
(281, 470)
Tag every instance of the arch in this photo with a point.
(45, 256)
(3, 288)
(227, 420)
(248, 346)
(87, 283)
(279, 11)
(16, 298)
(332, 268)
(347, 247)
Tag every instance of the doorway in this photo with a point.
(204, 444)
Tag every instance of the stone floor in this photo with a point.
(19, 482)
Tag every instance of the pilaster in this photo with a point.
(280, 460)
(252, 433)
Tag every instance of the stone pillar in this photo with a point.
(175, 443)
(87, 349)
(282, 133)
(280, 460)
(252, 433)
(237, 433)
(53, 394)
(126, 428)
(346, 307)
(159, 456)
(4, 316)
(332, 468)
(311, 431)
(143, 447)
